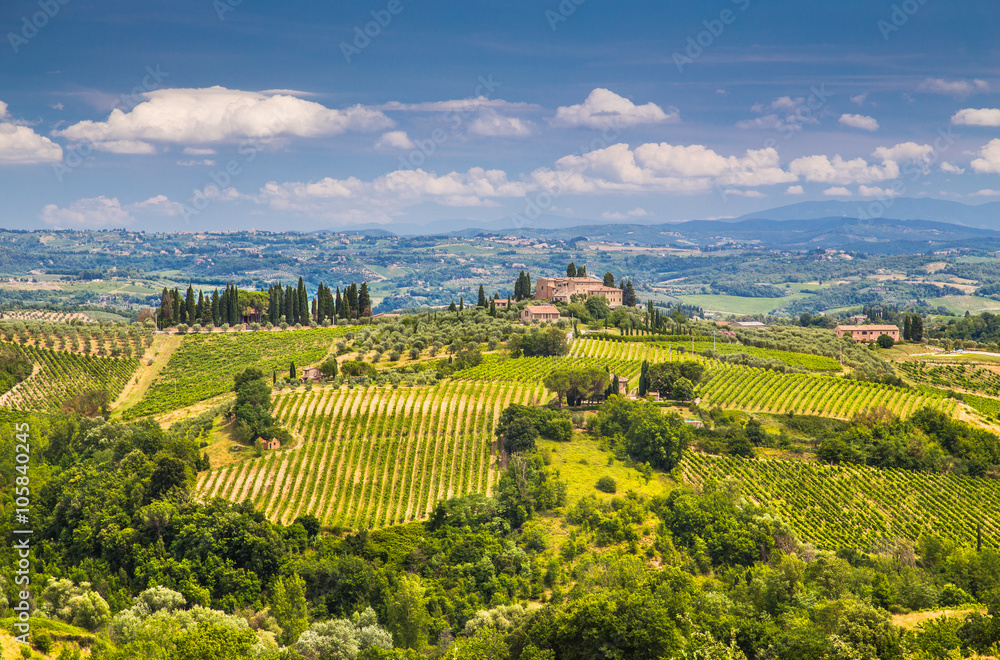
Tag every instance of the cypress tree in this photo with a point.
(288, 305)
(482, 297)
(189, 304)
(175, 299)
(165, 315)
(291, 371)
(644, 379)
(352, 300)
(303, 315)
(337, 304)
(364, 301)
(571, 270)
(201, 315)
(493, 307)
(906, 327)
(452, 307)
(461, 303)
(215, 308)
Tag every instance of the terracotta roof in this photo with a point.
(867, 327)
(542, 309)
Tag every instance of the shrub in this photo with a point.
(606, 484)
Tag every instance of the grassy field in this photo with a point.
(962, 304)
(738, 304)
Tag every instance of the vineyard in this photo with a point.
(535, 369)
(45, 316)
(372, 457)
(860, 507)
(969, 377)
(761, 390)
(92, 339)
(204, 364)
(59, 375)
(666, 351)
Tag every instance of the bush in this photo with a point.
(885, 341)
(606, 484)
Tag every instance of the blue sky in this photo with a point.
(211, 115)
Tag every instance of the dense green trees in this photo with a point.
(643, 432)
(522, 287)
(253, 404)
(539, 342)
(519, 426)
(578, 385)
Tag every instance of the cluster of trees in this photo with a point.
(749, 289)
(578, 385)
(14, 368)
(279, 304)
(673, 380)
(519, 426)
(216, 309)
(642, 432)
(573, 271)
(982, 328)
(252, 409)
(539, 343)
(913, 327)
(928, 440)
(522, 286)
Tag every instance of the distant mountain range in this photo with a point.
(904, 225)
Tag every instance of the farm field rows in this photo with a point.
(59, 375)
(860, 507)
(371, 457)
(761, 390)
(971, 377)
(204, 364)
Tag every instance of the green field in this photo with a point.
(860, 507)
(962, 304)
(738, 304)
(204, 365)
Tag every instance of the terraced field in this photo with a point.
(860, 507)
(59, 375)
(761, 390)
(371, 457)
(204, 365)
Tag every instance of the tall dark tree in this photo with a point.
(581, 271)
(176, 302)
(201, 313)
(337, 303)
(364, 301)
(917, 328)
(216, 313)
(571, 270)
(906, 327)
(628, 298)
(482, 297)
(190, 305)
(165, 317)
(609, 280)
(303, 316)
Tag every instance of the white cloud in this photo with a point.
(456, 105)
(618, 215)
(989, 158)
(196, 163)
(952, 169)
(603, 108)
(756, 194)
(875, 191)
(905, 152)
(217, 114)
(794, 190)
(492, 124)
(20, 145)
(953, 87)
(977, 117)
(477, 187)
(89, 213)
(125, 147)
(859, 99)
(395, 140)
(822, 169)
(783, 113)
(159, 204)
(859, 121)
(837, 192)
(661, 168)
(194, 151)
(986, 192)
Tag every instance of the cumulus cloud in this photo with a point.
(836, 170)
(477, 187)
(875, 191)
(87, 214)
(195, 163)
(159, 204)
(989, 158)
(905, 152)
(618, 215)
(783, 113)
(859, 121)
(20, 145)
(952, 169)
(977, 117)
(859, 99)
(953, 87)
(986, 192)
(217, 114)
(492, 124)
(456, 105)
(603, 108)
(125, 147)
(395, 140)
(794, 190)
(663, 168)
(837, 191)
(196, 151)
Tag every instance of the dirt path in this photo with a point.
(135, 389)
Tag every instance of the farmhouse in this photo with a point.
(274, 443)
(501, 303)
(561, 289)
(311, 373)
(536, 313)
(867, 332)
